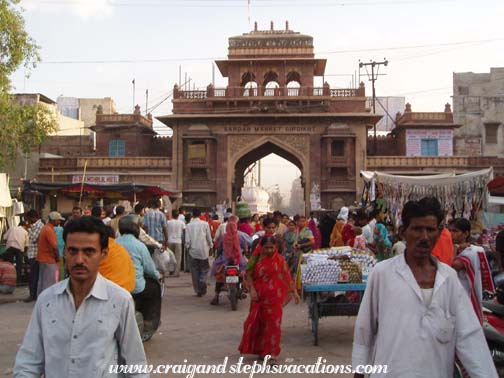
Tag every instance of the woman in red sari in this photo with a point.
(270, 284)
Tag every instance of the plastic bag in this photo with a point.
(165, 261)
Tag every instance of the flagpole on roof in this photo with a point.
(133, 82)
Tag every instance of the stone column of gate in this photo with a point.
(221, 170)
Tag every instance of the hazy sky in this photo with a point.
(94, 48)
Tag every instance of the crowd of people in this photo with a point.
(108, 256)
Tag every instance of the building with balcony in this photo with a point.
(270, 105)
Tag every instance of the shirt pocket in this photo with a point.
(441, 324)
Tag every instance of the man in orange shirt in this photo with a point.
(48, 254)
(443, 250)
(118, 266)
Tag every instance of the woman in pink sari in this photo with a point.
(270, 284)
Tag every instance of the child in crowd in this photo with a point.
(399, 246)
(8, 275)
(360, 240)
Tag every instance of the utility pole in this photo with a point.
(373, 78)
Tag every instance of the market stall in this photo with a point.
(334, 280)
(462, 195)
(37, 192)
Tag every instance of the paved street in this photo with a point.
(192, 329)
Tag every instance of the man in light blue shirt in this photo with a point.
(156, 223)
(85, 325)
(147, 291)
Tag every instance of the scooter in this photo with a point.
(493, 327)
(233, 284)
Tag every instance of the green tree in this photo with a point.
(22, 127)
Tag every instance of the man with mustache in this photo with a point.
(84, 324)
(415, 316)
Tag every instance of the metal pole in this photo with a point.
(180, 75)
(146, 100)
(82, 183)
(133, 99)
(374, 108)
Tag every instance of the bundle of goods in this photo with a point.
(336, 265)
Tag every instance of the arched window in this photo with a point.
(250, 89)
(293, 81)
(249, 84)
(270, 83)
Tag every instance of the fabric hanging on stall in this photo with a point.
(463, 195)
(5, 202)
(5, 197)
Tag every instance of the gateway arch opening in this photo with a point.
(270, 178)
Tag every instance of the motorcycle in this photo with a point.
(493, 327)
(493, 320)
(233, 285)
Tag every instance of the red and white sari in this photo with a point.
(476, 277)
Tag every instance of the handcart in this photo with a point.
(320, 304)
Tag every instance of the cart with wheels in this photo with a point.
(321, 304)
(334, 281)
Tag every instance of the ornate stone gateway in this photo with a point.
(269, 106)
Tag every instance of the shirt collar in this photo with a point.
(403, 269)
(99, 289)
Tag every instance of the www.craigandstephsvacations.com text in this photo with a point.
(189, 370)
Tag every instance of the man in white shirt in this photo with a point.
(435, 321)
(175, 228)
(16, 244)
(198, 242)
(181, 216)
(85, 324)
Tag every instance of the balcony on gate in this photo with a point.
(257, 99)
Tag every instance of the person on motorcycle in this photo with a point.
(117, 266)
(147, 291)
(230, 249)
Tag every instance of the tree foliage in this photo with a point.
(22, 127)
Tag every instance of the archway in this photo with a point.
(283, 183)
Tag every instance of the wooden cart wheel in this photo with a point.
(314, 318)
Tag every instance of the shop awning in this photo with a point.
(496, 186)
(117, 191)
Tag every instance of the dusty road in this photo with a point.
(193, 330)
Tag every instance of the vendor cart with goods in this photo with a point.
(334, 280)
